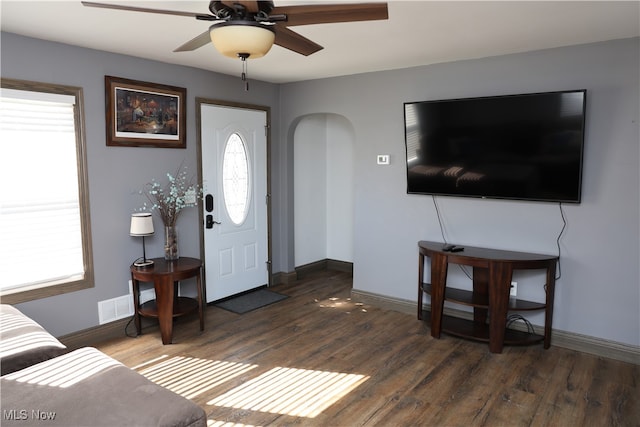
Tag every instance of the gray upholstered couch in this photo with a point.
(44, 384)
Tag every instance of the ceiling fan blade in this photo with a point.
(195, 43)
(293, 41)
(144, 9)
(330, 13)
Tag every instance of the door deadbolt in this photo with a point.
(208, 202)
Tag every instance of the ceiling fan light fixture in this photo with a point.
(235, 38)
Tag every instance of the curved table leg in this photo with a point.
(500, 275)
(135, 285)
(438, 284)
(164, 301)
(549, 291)
(200, 301)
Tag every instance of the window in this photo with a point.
(235, 179)
(45, 238)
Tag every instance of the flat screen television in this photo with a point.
(522, 147)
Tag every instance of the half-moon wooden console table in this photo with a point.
(165, 276)
(492, 274)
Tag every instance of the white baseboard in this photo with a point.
(583, 343)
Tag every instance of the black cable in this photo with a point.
(466, 273)
(515, 317)
(127, 327)
(564, 225)
(433, 197)
(460, 266)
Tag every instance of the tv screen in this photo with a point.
(523, 147)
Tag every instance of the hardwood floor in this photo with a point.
(319, 358)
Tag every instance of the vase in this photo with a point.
(170, 243)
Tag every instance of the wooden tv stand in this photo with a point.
(492, 274)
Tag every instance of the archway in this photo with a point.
(323, 158)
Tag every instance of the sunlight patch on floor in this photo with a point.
(214, 423)
(289, 391)
(342, 303)
(190, 376)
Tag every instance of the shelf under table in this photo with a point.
(182, 305)
(469, 329)
(464, 297)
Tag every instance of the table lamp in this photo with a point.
(141, 226)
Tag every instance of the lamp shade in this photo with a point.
(242, 37)
(141, 224)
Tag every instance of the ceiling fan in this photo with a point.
(248, 29)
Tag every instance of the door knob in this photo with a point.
(210, 222)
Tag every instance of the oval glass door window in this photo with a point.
(235, 179)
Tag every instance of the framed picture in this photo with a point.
(141, 114)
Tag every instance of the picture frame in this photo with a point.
(143, 114)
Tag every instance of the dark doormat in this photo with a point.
(250, 301)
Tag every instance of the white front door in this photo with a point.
(234, 172)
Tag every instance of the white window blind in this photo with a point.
(40, 226)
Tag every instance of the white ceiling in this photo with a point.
(416, 33)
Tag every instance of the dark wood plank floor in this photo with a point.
(320, 358)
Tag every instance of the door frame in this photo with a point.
(222, 103)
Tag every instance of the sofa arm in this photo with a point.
(23, 342)
(88, 388)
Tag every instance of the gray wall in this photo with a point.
(598, 293)
(117, 173)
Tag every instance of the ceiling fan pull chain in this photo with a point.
(243, 58)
